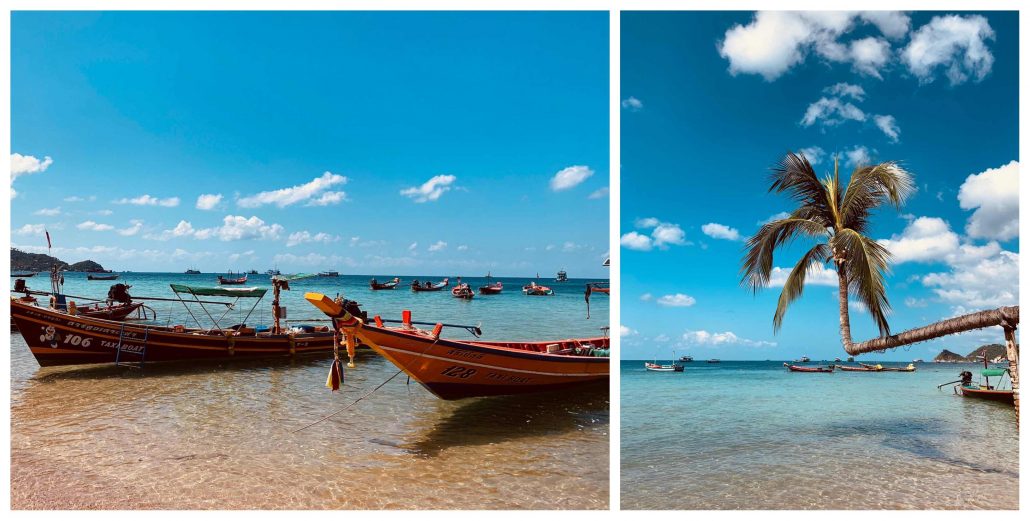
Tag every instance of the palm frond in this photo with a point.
(795, 176)
(866, 265)
(871, 186)
(758, 257)
(795, 283)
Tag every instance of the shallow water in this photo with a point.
(751, 435)
(183, 436)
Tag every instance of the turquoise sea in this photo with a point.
(219, 436)
(751, 435)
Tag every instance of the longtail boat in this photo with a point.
(491, 289)
(463, 291)
(23, 274)
(535, 289)
(429, 286)
(58, 338)
(376, 285)
(232, 281)
(984, 390)
(454, 369)
(873, 369)
(666, 368)
(102, 277)
(801, 369)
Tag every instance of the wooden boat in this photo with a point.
(376, 285)
(232, 281)
(252, 272)
(454, 369)
(714, 361)
(23, 274)
(800, 369)
(429, 286)
(910, 368)
(562, 276)
(686, 358)
(535, 289)
(994, 395)
(57, 338)
(491, 289)
(101, 277)
(663, 368)
(859, 368)
(984, 390)
(328, 274)
(463, 291)
(192, 271)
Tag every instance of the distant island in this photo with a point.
(38, 262)
(993, 351)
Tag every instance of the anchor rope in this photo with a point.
(352, 404)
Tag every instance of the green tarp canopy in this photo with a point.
(219, 292)
(993, 372)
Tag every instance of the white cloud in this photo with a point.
(148, 200)
(994, 194)
(31, 229)
(182, 229)
(869, 55)
(814, 154)
(952, 43)
(48, 212)
(463, 247)
(94, 226)
(78, 199)
(569, 177)
(668, 233)
(817, 275)
(22, 165)
(208, 201)
(626, 331)
(774, 217)
(431, 190)
(925, 239)
(646, 297)
(413, 246)
(438, 246)
(679, 300)
(136, 226)
(913, 302)
(233, 228)
(305, 236)
(647, 222)
(636, 241)
(893, 24)
(888, 125)
(600, 193)
(842, 90)
(858, 156)
(979, 283)
(720, 231)
(313, 193)
(569, 247)
(830, 112)
(632, 103)
(703, 337)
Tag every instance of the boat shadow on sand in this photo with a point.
(917, 437)
(484, 421)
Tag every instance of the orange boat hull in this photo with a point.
(457, 369)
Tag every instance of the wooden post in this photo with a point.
(1012, 353)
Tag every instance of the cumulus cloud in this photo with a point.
(817, 275)
(647, 297)
(135, 226)
(305, 236)
(626, 331)
(678, 300)
(893, 24)
(149, 200)
(831, 112)
(814, 155)
(846, 90)
(31, 229)
(208, 201)
(233, 228)
(569, 177)
(24, 165)
(662, 235)
(774, 217)
(702, 337)
(647, 222)
(869, 55)
(413, 246)
(720, 231)
(994, 194)
(48, 212)
(888, 125)
(858, 156)
(430, 190)
(636, 241)
(668, 233)
(313, 193)
(925, 239)
(438, 246)
(979, 282)
(94, 226)
(600, 193)
(954, 44)
(632, 104)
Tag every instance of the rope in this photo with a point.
(352, 404)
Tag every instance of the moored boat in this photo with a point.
(429, 286)
(454, 369)
(859, 368)
(230, 280)
(713, 361)
(686, 358)
(101, 277)
(376, 285)
(329, 273)
(562, 276)
(491, 289)
(23, 274)
(192, 271)
(535, 289)
(800, 369)
(463, 291)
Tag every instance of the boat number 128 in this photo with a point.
(457, 371)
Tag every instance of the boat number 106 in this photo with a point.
(457, 371)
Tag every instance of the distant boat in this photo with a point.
(252, 272)
(799, 369)
(192, 271)
(376, 285)
(562, 276)
(231, 280)
(714, 361)
(463, 291)
(668, 368)
(803, 359)
(328, 274)
(23, 274)
(686, 358)
(429, 286)
(101, 277)
(535, 289)
(491, 289)
(917, 361)
(273, 272)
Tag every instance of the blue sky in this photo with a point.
(385, 143)
(711, 100)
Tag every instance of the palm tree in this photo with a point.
(837, 218)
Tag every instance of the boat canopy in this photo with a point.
(220, 292)
(993, 372)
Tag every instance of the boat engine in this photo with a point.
(354, 308)
(119, 293)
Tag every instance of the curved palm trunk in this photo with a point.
(1006, 317)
